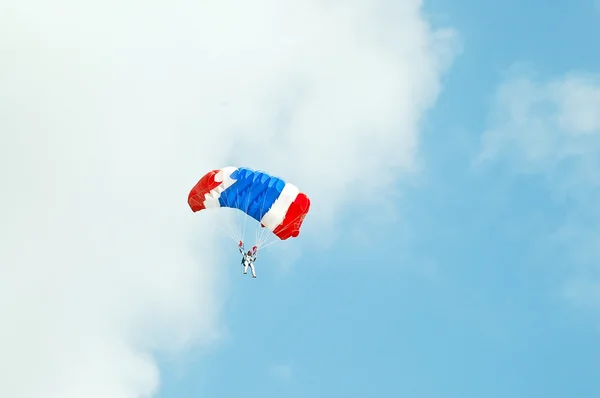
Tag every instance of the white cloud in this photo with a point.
(542, 124)
(553, 129)
(282, 371)
(110, 112)
(579, 105)
(584, 293)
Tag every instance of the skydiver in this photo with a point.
(248, 258)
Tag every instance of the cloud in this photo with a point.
(110, 112)
(584, 293)
(540, 125)
(282, 372)
(552, 129)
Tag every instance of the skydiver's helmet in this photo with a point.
(249, 252)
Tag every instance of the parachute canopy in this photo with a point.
(278, 205)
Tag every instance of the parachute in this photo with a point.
(277, 205)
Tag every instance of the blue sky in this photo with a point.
(452, 248)
(459, 295)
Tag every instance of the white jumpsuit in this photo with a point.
(248, 261)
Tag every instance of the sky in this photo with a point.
(450, 150)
